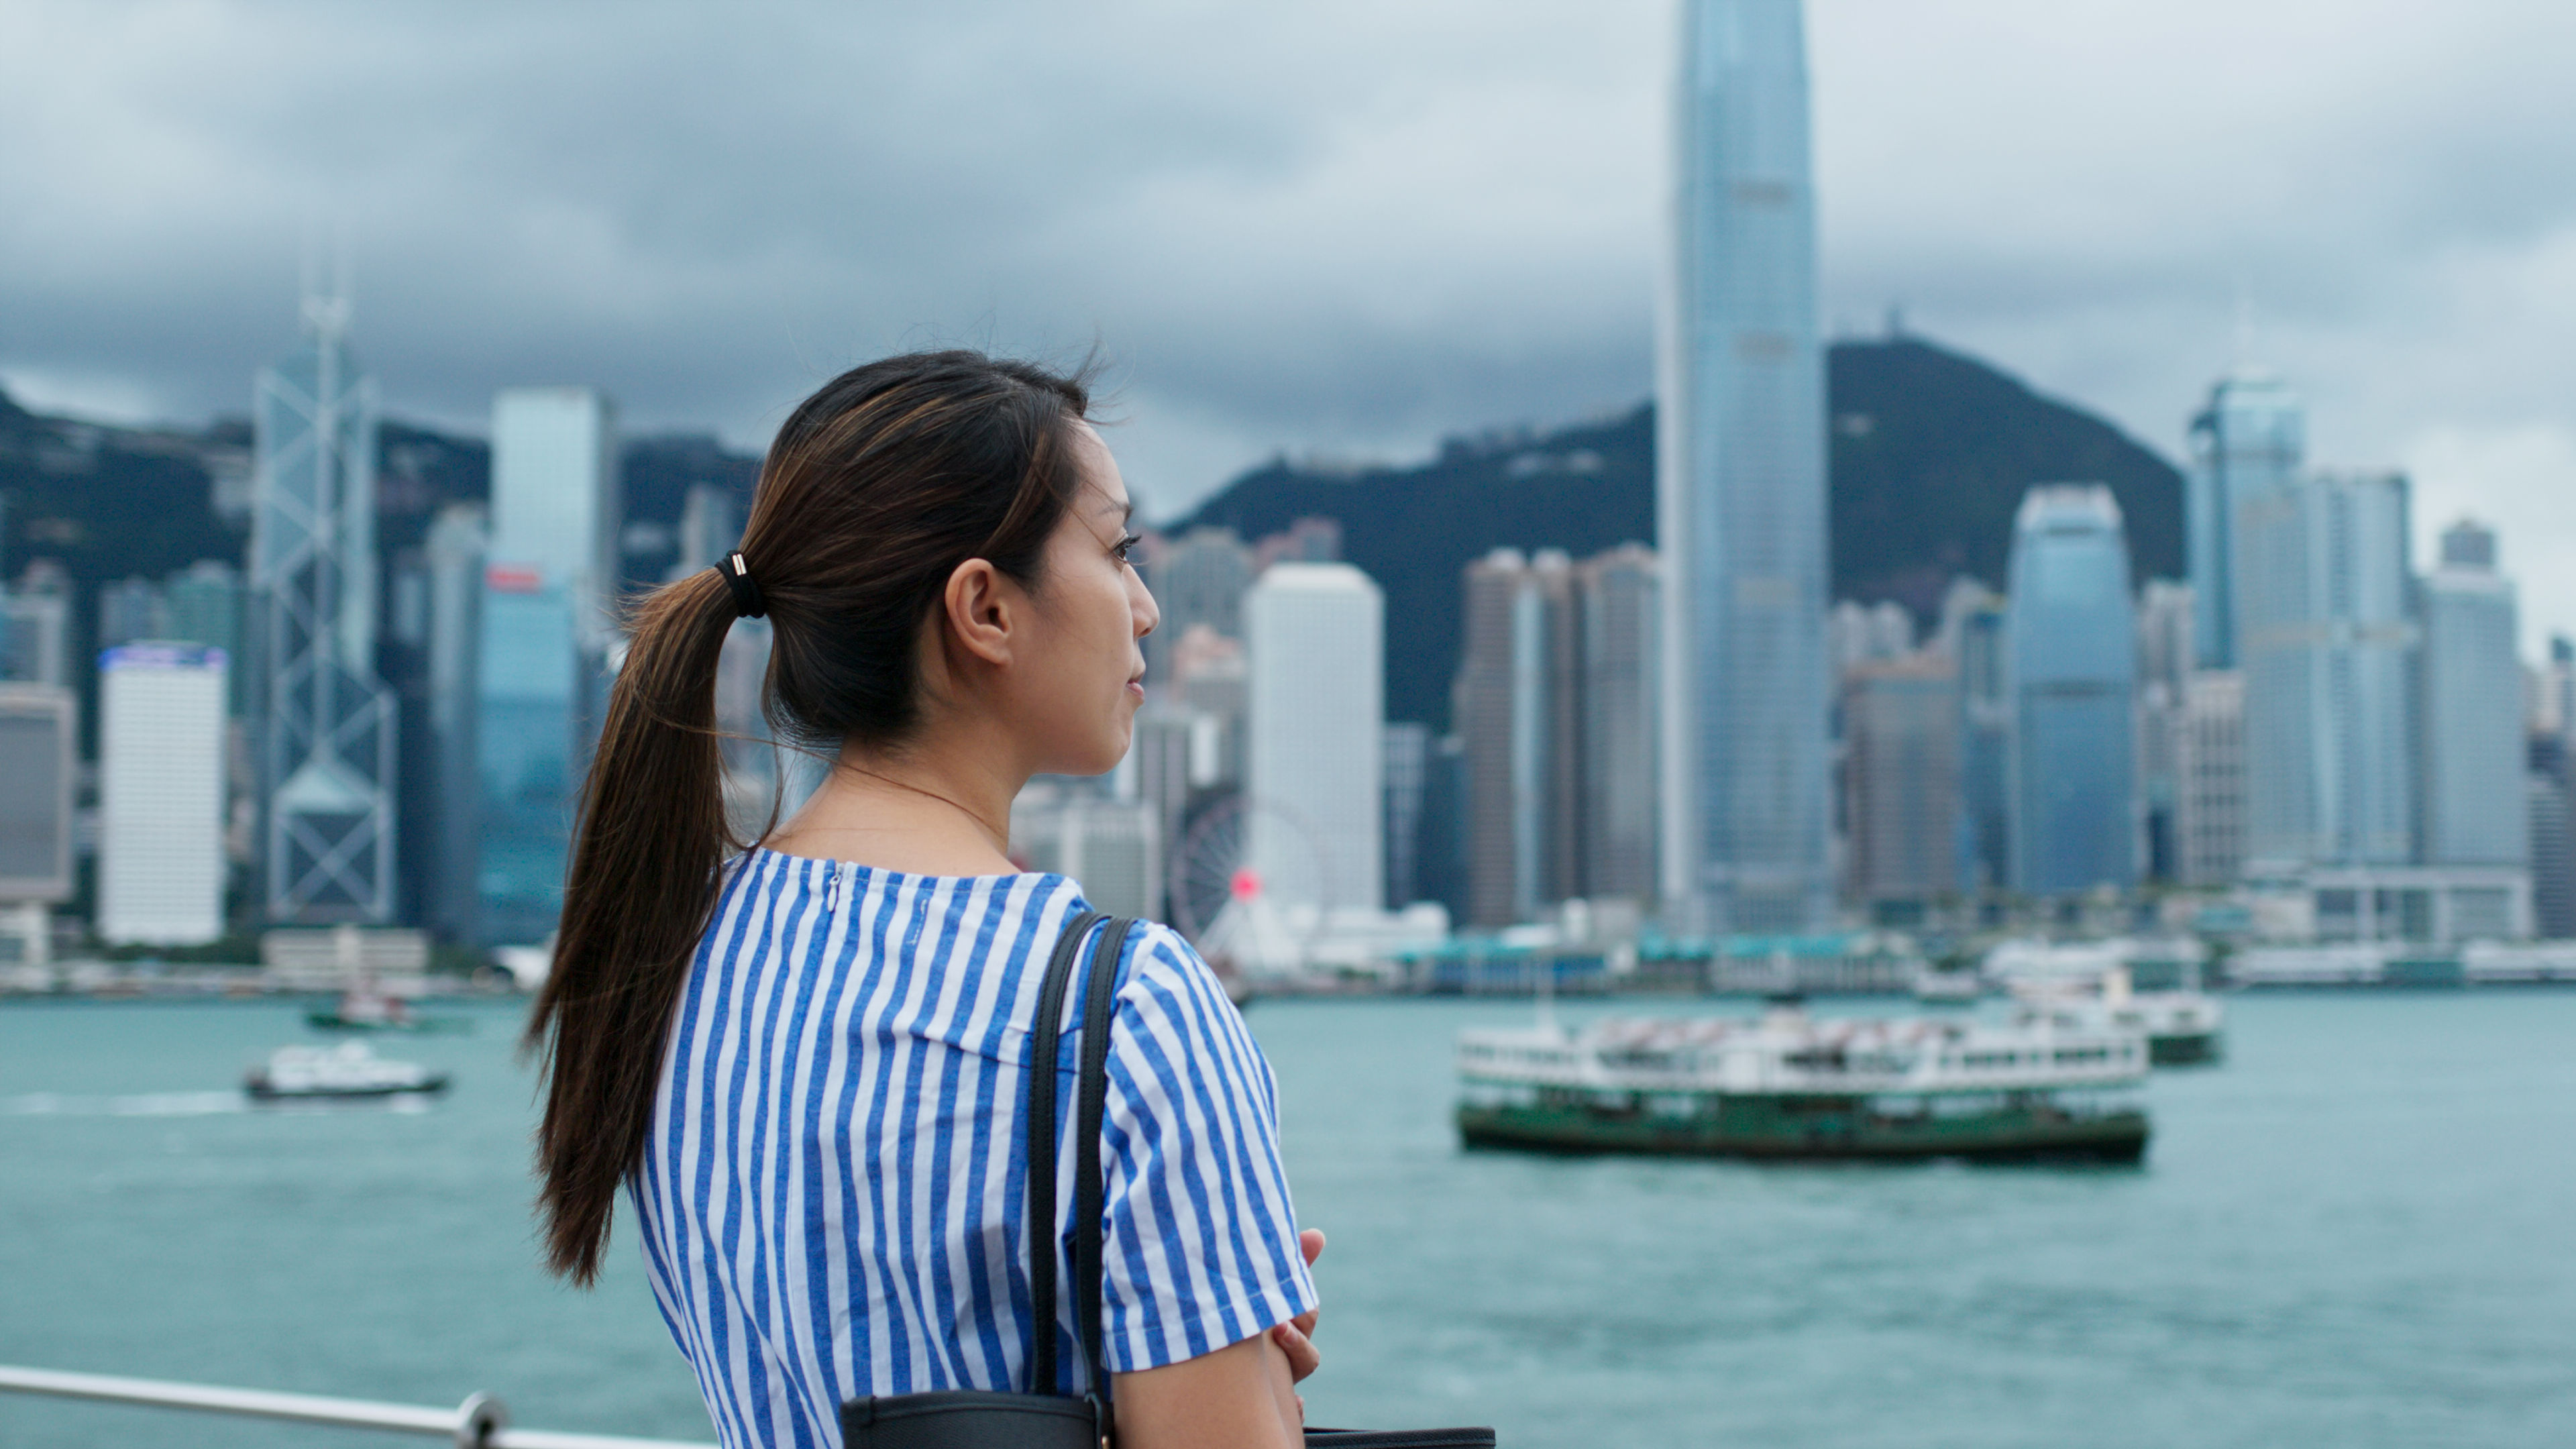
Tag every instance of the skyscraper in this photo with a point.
(2072, 661)
(1621, 593)
(1315, 642)
(39, 728)
(2326, 639)
(1973, 619)
(2209, 778)
(203, 605)
(453, 557)
(1901, 762)
(1506, 716)
(2165, 661)
(328, 721)
(550, 588)
(2475, 810)
(1407, 754)
(161, 863)
(1740, 484)
(2248, 440)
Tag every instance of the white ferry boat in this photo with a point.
(1787, 1086)
(343, 1071)
(2181, 1027)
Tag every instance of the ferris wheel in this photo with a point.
(1227, 893)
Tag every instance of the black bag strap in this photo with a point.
(1038, 1115)
(1099, 999)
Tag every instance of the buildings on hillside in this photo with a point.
(1740, 485)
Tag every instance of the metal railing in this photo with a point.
(481, 1422)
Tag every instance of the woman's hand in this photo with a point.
(1239, 1395)
(1296, 1337)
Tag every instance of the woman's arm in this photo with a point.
(1240, 1395)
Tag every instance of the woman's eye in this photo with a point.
(1126, 546)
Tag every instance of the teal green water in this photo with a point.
(2361, 1231)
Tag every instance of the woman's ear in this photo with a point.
(982, 609)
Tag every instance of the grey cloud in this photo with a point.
(1341, 227)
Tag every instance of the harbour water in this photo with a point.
(2360, 1231)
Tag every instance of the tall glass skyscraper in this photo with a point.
(2326, 639)
(2072, 662)
(1740, 485)
(550, 585)
(2250, 439)
(329, 721)
(2475, 806)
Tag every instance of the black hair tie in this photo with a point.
(747, 602)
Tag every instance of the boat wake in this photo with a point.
(142, 1104)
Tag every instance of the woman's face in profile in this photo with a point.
(1082, 681)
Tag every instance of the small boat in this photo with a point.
(366, 1010)
(348, 1070)
(1786, 1086)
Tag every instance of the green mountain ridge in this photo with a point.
(1931, 454)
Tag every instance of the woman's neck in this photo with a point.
(924, 810)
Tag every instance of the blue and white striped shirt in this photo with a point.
(833, 1198)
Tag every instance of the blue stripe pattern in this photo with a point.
(833, 1197)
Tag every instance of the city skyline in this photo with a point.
(1448, 237)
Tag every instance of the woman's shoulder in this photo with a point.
(1158, 955)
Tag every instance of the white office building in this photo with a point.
(161, 794)
(1314, 726)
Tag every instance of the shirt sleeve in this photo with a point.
(1200, 1242)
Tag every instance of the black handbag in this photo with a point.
(1040, 1419)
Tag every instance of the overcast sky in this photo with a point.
(1340, 228)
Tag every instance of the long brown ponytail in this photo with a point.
(876, 488)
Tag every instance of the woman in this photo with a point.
(804, 1062)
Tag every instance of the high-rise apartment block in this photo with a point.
(550, 590)
(2246, 443)
(161, 862)
(1514, 678)
(1315, 641)
(2326, 638)
(2073, 678)
(2474, 796)
(1556, 703)
(1621, 682)
(1740, 485)
(327, 720)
